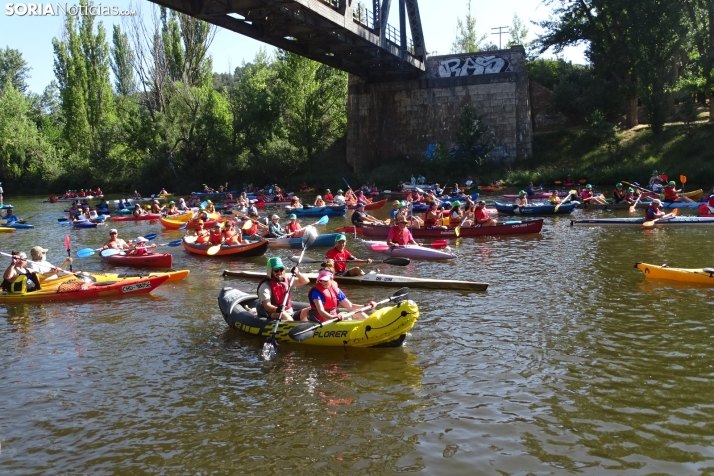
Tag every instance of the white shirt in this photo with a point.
(340, 199)
(42, 267)
(469, 182)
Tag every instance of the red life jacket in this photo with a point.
(277, 292)
(216, 236)
(292, 227)
(203, 238)
(669, 194)
(331, 303)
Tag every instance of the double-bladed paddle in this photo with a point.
(305, 331)
(396, 261)
(633, 206)
(270, 348)
(83, 253)
(567, 199)
(650, 224)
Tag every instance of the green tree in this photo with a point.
(518, 33)
(472, 139)
(314, 103)
(122, 61)
(13, 69)
(467, 39)
(700, 23)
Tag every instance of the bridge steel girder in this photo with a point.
(316, 30)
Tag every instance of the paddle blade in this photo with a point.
(323, 221)
(440, 244)
(309, 236)
(174, 243)
(150, 236)
(632, 209)
(457, 231)
(190, 239)
(648, 224)
(270, 349)
(683, 179)
(213, 250)
(183, 227)
(66, 242)
(675, 211)
(397, 261)
(247, 225)
(111, 252)
(85, 253)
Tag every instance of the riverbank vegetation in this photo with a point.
(139, 107)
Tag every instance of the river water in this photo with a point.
(571, 362)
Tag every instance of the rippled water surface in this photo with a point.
(571, 362)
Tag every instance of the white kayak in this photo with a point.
(410, 251)
(377, 279)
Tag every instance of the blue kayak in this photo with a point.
(6, 206)
(19, 226)
(84, 224)
(214, 194)
(331, 210)
(512, 209)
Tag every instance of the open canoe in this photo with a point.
(148, 216)
(370, 205)
(377, 279)
(177, 221)
(385, 327)
(409, 251)
(150, 260)
(508, 228)
(257, 248)
(691, 275)
(674, 221)
(326, 240)
(330, 210)
(511, 209)
(77, 290)
(695, 195)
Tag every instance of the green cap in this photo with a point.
(522, 192)
(339, 191)
(202, 208)
(208, 201)
(340, 237)
(456, 203)
(654, 172)
(672, 182)
(172, 202)
(275, 262)
(588, 186)
(619, 184)
(402, 204)
(631, 190)
(293, 216)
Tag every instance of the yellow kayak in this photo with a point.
(695, 195)
(692, 275)
(107, 277)
(5, 229)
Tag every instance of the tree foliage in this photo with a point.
(467, 38)
(13, 69)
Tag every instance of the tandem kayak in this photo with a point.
(408, 251)
(512, 209)
(377, 279)
(691, 275)
(257, 248)
(385, 327)
(149, 260)
(92, 277)
(329, 210)
(177, 221)
(674, 221)
(148, 216)
(508, 228)
(80, 290)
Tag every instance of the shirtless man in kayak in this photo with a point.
(114, 242)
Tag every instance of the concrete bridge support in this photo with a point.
(386, 120)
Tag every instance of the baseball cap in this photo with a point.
(339, 191)
(141, 239)
(275, 217)
(656, 201)
(360, 204)
(36, 252)
(340, 237)
(324, 275)
(293, 216)
(113, 230)
(275, 262)
(217, 224)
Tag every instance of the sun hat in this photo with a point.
(588, 186)
(293, 216)
(456, 203)
(395, 202)
(275, 217)
(113, 230)
(340, 237)
(672, 182)
(324, 275)
(619, 184)
(402, 220)
(141, 239)
(656, 201)
(36, 252)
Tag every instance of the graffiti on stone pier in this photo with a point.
(471, 66)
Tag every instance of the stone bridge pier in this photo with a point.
(394, 119)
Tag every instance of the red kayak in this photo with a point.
(148, 216)
(370, 205)
(348, 229)
(150, 260)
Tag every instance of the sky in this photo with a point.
(32, 35)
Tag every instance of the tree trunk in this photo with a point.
(631, 119)
(711, 107)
